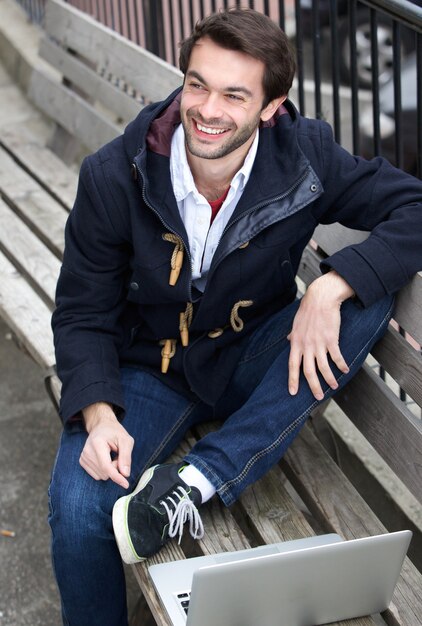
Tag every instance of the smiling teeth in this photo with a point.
(210, 131)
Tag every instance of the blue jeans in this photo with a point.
(259, 421)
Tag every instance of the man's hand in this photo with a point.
(315, 333)
(106, 435)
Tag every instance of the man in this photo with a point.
(177, 302)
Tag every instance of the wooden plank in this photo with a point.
(270, 513)
(89, 81)
(29, 254)
(408, 307)
(222, 534)
(408, 311)
(33, 204)
(402, 361)
(339, 508)
(26, 314)
(387, 424)
(31, 154)
(16, 109)
(368, 466)
(171, 552)
(71, 111)
(334, 237)
(148, 74)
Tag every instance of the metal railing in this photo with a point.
(359, 62)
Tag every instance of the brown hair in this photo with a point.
(253, 33)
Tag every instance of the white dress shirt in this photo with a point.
(195, 210)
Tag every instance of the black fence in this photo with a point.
(359, 62)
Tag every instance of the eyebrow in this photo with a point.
(231, 89)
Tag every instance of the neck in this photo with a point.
(213, 176)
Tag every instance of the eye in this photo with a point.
(234, 97)
(196, 86)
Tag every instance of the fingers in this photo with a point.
(125, 456)
(96, 457)
(295, 361)
(315, 362)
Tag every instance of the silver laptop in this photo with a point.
(304, 582)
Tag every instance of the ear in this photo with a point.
(271, 108)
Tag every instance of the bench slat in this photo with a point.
(26, 314)
(34, 205)
(71, 111)
(171, 552)
(273, 514)
(402, 362)
(223, 534)
(408, 311)
(393, 352)
(269, 522)
(40, 163)
(29, 254)
(280, 522)
(268, 511)
(150, 75)
(89, 81)
(334, 237)
(387, 424)
(339, 508)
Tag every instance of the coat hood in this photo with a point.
(155, 124)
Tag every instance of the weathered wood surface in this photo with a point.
(71, 111)
(32, 258)
(402, 361)
(89, 81)
(26, 314)
(408, 311)
(266, 512)
(137, 67)
(400, 358)
(83, 51)
(31, 154)
(36, 207)
(384, 420)
(339, 508)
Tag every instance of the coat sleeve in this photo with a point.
(90, 298)
(376, 197)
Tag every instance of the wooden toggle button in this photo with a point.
(175, 271)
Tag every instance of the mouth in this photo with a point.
(208, 131)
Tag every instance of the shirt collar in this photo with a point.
(181, 175)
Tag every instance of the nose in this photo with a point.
(210, 107)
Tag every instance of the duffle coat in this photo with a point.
(115, 305)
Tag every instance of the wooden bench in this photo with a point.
(87, 84)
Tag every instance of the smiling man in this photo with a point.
(177, 302)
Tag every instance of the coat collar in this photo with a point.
(278, 166)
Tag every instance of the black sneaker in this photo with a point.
(155, 512)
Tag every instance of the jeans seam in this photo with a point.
(182, 419)
(234, 481)
(246, 359)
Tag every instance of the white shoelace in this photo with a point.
(184, 510)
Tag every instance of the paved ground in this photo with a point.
(29, 431)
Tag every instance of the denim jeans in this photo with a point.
(259, 421)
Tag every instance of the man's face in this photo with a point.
(222, 100)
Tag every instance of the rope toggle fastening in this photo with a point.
(176, 258)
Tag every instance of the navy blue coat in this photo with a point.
(114, 301)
